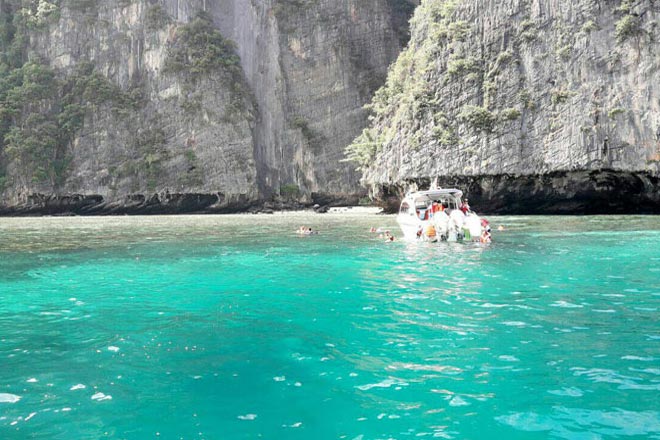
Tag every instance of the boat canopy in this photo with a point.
(439, 193)
(422, 199)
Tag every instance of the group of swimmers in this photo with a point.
(429, 233)
(382, 233)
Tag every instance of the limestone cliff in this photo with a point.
(153, 106)
(531, 106)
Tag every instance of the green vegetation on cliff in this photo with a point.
(506, 88)
(200, 49)
(412, 97)
(408, 98)
(156, 17)
(42, 110)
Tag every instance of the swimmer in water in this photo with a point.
(485, 236)
(306, 230)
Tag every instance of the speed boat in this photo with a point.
(440, 214)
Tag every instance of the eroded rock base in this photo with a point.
(165, 204)
(575, 192)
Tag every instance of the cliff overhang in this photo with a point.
(587, 192)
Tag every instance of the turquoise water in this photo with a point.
(233, 327)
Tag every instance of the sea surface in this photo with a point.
(235, 327)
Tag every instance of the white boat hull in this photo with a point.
(468, 231)
(410, 225)
(414, 218)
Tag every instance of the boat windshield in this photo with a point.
(448, 201)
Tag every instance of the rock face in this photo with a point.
(145, 106)
(531, 106)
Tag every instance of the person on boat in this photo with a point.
(420, 232)
(465, 206)
(435, 208)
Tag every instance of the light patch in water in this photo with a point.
(387, 383)
(637, 358)
(562, 422)
(568, 392)
(101, 397)
(566, 305)
(655, 371)
(421, 367)
(9, 398)
(247, 417)
(458, 401)
(77, 387)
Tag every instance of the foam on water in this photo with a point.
(101, 397)
(9, 398)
